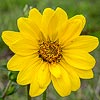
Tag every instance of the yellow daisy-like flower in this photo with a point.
(48, 48)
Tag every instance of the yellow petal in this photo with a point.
(84, 74)
(28, 29)
(10, 37)
(87, 43)
(52, 27)
(75, 81)
(35, 89)
(25, 75)
(47, 14)
(72, 29)
(35, 16)
(57, 20)
(36, 86)
(17, 63)
(24, 47)
(79, 59)
(55, 70)
(81, 17)
(62, 84)
(43, 77)
(62, 16)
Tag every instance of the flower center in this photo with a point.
(50, 51)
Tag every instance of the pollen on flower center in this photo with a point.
(50, 51)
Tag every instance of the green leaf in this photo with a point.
(12, 89)
(13, 75)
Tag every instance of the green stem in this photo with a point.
(28, 96)
(6, 89)
(44, 95)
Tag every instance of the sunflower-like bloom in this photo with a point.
(49, 47)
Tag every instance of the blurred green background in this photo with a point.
(11, 10)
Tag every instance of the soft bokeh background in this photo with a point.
(11, 10)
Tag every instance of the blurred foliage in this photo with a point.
(11, 10)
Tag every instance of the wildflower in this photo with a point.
(49, 47)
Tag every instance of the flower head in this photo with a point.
(49, 47)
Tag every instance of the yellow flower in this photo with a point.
(48, 47)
